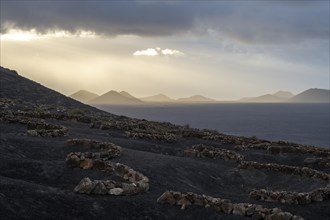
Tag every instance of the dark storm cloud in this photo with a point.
(248, 21)
(103, 17)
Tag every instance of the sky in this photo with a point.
(220, 49)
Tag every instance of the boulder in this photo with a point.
(167, 197)
(85, 186)
(72, 160)
(100, 189)
(227, 207)
(86, 164)
(239, 209)
(183, 202)
(116, 191)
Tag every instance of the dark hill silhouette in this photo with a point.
(115, 98)
(83, 96)
(196, 99)
(312, 96)
(14, 86)
(160, 98)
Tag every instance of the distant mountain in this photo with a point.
(264, 98)
(160, 98)
(196, 99)
(83, 96)
(283, 94)
(312, 96)
(115, 98)
(127, 95)
(280, 96)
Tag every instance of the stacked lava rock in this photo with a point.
(225, 206)
(202, 150)
(136, 181)
(35, 127)
(317, 162)
(317, 195)
(46, 130)
(162, 137)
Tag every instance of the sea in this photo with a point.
(300, 123)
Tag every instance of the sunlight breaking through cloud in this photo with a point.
(172, 52)
(23, 35)
(147, 52)
(158, 51)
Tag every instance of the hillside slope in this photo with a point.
(14, 86)
(98, 166)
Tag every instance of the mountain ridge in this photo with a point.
(115, 98)
(124, 98)
(157, 98)
(196, 99)
(277, 97)
(83, 96)
(312, 95)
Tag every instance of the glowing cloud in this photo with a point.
(172, 52)
(158, 51)
(21, 35)
(147, 52)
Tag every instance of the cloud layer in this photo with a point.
(251, 21)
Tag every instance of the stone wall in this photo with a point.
(316, 195)
(36, 126)
(225, 206)
(162, 137)
(317, 162)
(281, 147)
(136, 181)
(202, 150)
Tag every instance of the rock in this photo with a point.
(198, 201)
(32, 133)
(86, 164)
(303, 198)
(227, 207)
(167, 197)
(296, 218)
(280, 216)
(100, 189)
(250, 210)
(72, 161)
(317, 196)
(85, 186)
(239, 209)
(183, 202)
(116, 191)
(129, 189)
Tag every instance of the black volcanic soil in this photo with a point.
(35, 182)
